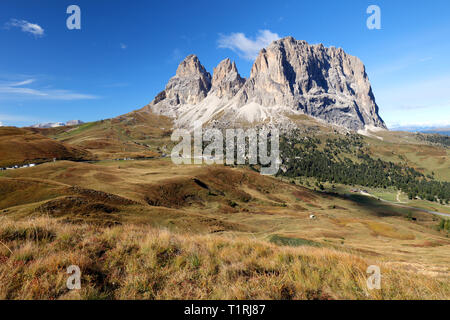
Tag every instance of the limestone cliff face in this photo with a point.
(289, 76)
(325, 83)
(190, 85)
(226, 80)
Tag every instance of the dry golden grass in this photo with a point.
(138, 134)
(139, 262)
(406, 148)
(151, 229)
(22, 146)
(217, 199)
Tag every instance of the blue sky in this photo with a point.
(126, 51)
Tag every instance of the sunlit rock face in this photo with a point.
(289, 76)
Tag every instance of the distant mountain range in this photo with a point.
(439, 131)
(424, 129)
(288, 78)
(57, 124)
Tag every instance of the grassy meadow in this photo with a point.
(141, 262)
(152, 230)
(148, 229)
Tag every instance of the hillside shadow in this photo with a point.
(374, 206)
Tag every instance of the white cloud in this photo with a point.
(437, 123)
(246, 47)
(423, 125)
(16, 90)
(123, 46)
(22, 83)
(26, 26)
(21, 91)
(1, 124)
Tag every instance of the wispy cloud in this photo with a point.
(175, 56)
(426, 59)
(11, 90)
(123, 46)
(26, 26)
(17, 118)
(412, 107)
(22, 83)
(244, 46)
(420, 124)
(407, 62)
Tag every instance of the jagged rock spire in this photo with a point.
(191, 83)
(226, 81)
(289, 76)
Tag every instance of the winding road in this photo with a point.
(400, 204)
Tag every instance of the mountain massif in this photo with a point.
(289, 77)
(106, 196)
(57, 124)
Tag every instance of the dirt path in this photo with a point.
(418, 209)
(398, 197)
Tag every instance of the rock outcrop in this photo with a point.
(189, 86)
(288, 77)
(226, 81)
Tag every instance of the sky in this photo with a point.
(126, 51)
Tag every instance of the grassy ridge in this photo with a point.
(21, 146)
(138, 134)
(151, 229)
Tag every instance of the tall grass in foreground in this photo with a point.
(139, 262)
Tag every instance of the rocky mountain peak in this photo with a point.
(226, 81)
(288, 77)
(190, 85)
(191, 66)
(325, 83)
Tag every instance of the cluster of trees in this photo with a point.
(444, 225)
(436, 138)
(308, 157)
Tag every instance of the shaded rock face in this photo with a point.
(226, 80)
(289, 76)
(191, 83)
